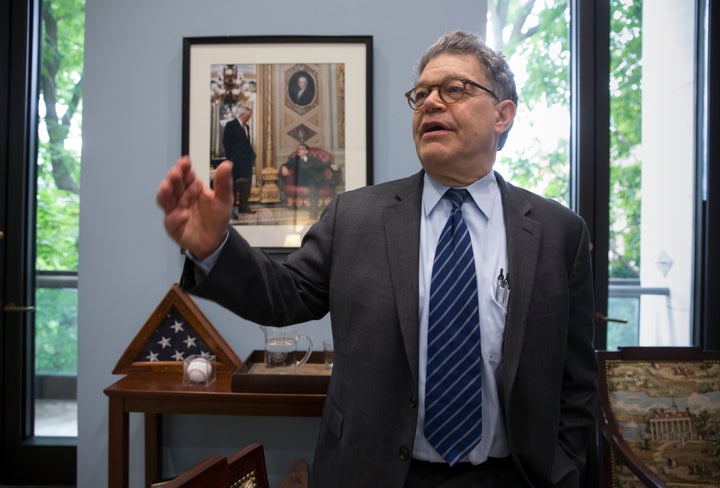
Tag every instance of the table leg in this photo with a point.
(118, 444)
(153, 464)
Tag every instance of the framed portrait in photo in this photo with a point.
(293, 114)
(301, 88)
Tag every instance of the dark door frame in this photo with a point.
(24, 458)
(707, 269)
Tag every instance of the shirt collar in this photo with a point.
(484, 192)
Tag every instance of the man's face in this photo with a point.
(457, 143)
(302, 151)
(302, 83)
(245, 116)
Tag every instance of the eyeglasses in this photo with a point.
(450, 91)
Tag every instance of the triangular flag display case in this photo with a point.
(175, 330)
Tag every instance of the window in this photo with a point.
(652, 172)
(57, 216)
(536, 45)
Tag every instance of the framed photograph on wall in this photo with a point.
(293, 114)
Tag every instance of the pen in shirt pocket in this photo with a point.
(502, 288)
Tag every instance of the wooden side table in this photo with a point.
(157, 394)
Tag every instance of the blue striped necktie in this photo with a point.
(453, 389)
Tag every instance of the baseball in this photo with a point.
(199, 370)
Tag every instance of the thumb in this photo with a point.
(223, 182)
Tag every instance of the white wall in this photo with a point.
(131, 133)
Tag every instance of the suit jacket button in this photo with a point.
(413, 402)
(404, 453)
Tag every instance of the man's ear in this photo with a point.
(505, 115)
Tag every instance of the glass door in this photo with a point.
(36, 321)
(651, 235)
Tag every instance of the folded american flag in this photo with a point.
(173, 340)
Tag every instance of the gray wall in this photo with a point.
(133, 63)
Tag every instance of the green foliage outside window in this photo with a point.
(536, 47)
(58, 181)
(625, 138)
(58, 165)
(56, 339)
(536, 43)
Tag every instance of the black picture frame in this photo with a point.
(334, 120)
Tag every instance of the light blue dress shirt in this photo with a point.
(484, 218)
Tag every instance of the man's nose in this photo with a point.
(433, 100)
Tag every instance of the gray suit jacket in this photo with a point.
(360, 263)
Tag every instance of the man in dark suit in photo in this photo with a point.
(461, 305)
(238, 149)
(307, 171)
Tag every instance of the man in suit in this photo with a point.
(368, 261)
(238, 149)
(308, 171)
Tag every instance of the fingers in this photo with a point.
(223, 182)
(185, 167)
(172, 188)
(163, 197)
(175, 223)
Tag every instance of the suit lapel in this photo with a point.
(402, 233)
(523, 245)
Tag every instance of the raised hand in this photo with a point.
(196, 217)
